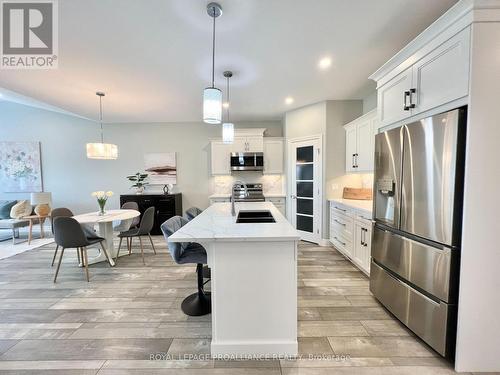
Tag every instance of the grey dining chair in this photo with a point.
(199, 303)
(68, 233)
(126, 224)
(66, 212)
(144, 229)
(192, 212)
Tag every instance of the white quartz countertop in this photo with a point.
(366, 206)
(266, 195)
(217, 224)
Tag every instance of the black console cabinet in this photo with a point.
(166, 206)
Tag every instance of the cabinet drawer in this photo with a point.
(276, 200)
(340, 209)
(343, 226)
(341, 243)
(219, 200)
(363, 218)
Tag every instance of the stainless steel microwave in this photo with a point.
(247, 161)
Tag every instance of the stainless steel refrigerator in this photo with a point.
(418, 195)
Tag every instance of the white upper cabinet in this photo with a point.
(360, 143)
(273, 155)
(254, 144)
(350, 147)
(247, 140)
(437, 77)
(393, 98)
(248, 144)
(239, 144)
(365, 138)
(443, 75)
(220, 158)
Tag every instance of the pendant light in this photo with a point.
(227, 127)
(106, 151)
(212, 96)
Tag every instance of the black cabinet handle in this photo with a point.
(338, 208)
(339, 222)
(406, 95)
(353, 163)
(343, 243)
(412, 91)
(356, 160)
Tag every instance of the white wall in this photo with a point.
(478, 336)
(370, 102)
(71, 177)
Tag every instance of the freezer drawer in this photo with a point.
(434, 322)
(427, 267)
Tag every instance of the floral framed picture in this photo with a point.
(20, 167)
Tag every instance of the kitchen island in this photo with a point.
(253, 280)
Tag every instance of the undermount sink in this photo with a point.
(255, 216)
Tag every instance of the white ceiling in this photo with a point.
(153, 57)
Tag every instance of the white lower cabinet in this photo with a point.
(279, 202)
(351, 233)
(362, 245)
(220, 200)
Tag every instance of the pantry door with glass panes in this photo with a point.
(305, 188)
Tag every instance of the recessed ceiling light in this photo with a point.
(288, 100)
(225, 105)
(325, 63)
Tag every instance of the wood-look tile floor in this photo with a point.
(126, 314)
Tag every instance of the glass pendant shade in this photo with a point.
(228, 132)
(212, 105)
(106, 151)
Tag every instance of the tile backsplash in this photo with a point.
(271, 184)
(335, 186)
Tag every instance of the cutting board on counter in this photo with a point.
(357, 193)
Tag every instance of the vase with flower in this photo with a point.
(102, 198)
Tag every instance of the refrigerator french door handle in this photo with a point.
(405, 96)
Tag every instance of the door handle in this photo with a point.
(411, 92)
(293, 196)
(353, 163)
(338, 208)
(356, 160)
(361, 240)
(406, 95)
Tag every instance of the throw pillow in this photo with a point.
(20, 209)
(5, 207)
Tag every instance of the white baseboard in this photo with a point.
(324, 242)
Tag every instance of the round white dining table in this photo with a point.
(105, 223)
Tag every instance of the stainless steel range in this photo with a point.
(253, 193)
